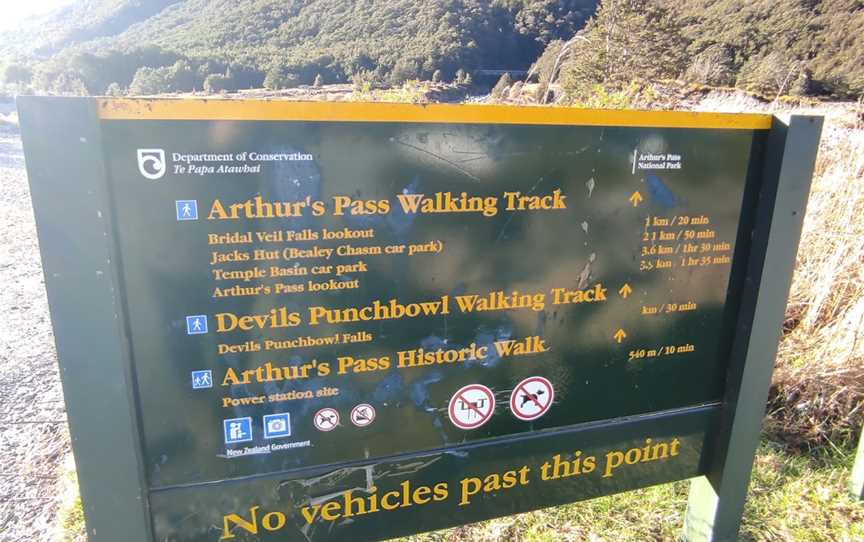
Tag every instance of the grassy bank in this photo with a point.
(793, 497)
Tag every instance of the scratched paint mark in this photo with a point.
(586, 271)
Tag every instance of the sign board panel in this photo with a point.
(355, 321)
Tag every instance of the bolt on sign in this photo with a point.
(343, 321)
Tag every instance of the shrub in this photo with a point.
(713, 66)
(499, 91)
(218, 82)
(17, 74)
(403, 71)
(772, 74)
(114, 89)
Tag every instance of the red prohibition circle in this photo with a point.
(483, 418)
(369, 409)
(544, 408)
(333, 419)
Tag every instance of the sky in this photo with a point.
(13, 11)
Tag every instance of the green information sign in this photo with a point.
(324, 321)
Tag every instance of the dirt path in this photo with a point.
(34, 439)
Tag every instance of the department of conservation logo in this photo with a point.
(151, 163)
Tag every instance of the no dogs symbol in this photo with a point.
(531, 398)
(471, 406)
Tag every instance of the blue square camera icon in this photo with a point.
(237, 430)
(277, 425)
(187, 209)
(202, 379)
(196, 325)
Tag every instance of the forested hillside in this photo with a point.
(770, 47)
(588, 47)
(279, 43)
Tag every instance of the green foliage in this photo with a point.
(549, 20)
(149, 81)
(16, 74)
(278, 78)
(114, 89)
(216, 83)
(631, 96)
(712, 66)
(813, 45)
(179, 77)
(412, 91)
(396, 40)
(625, 41)
(404, 70)
(755, 44)
(773, 74)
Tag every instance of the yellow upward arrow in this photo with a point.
(625, 290)
(635, 198)
(619, 335)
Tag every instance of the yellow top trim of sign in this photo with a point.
(187, 109)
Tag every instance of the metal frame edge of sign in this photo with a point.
(716, 501)
(73, 215)
(207, 109)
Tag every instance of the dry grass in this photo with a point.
(793, 497)
(818, 391)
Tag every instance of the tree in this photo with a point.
(713, 66)
(273, 78)
(774, 74)
(182, 77)
(548, 20)
(218, 82)
(17, 74)
(114, 89)
(149, 81)
(404, 70)
(626, 40)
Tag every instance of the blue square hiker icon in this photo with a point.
(202, 379)
(196, 325)
(187, 209)
(237, 430)
(277, 425)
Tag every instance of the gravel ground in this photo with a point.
(34, 439)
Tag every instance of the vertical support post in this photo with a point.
(856, 483)
(68, 186)
(716, 502)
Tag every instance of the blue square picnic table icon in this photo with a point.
(187, 209)
(237, 430)
(196, 325)
(277, 425)
(202, 379)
